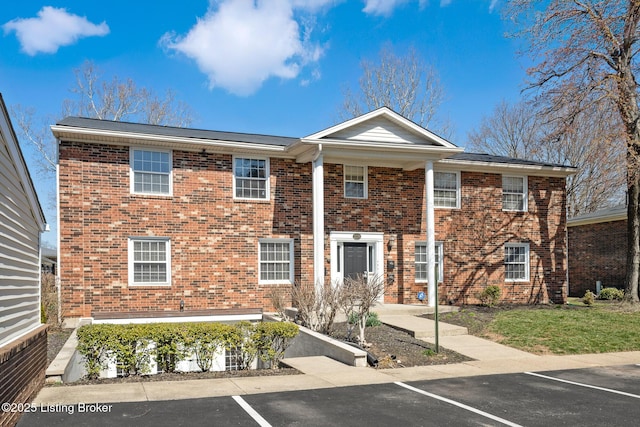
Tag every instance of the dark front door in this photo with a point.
(355, 259)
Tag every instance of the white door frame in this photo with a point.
(372, 239)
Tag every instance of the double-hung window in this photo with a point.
(446, 190)
(251, 178)
(151, 171)
(355, 182)
(514, 193)
(149, 261)
(421, 262)
(275, 262)
(516, 262)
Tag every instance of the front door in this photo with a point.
(355, 260)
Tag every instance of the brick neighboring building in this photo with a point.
(597, 250)
(154, 220)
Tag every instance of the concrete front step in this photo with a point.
(411, 309)
(421, 328)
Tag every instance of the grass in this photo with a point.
(570, 329)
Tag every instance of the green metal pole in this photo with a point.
(436, 316)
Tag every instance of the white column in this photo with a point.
(318, 219)
(431, 236)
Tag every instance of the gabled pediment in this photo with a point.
(381, 126)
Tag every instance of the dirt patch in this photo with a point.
(397, 349)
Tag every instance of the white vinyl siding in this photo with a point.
(250, 178)
(514, 193)
(149, 261)
(355, 182)
(379, 129)
(421, 264)
(19, 247)
(275, 261)
(516, 262)
(151, 171)
(446, 190)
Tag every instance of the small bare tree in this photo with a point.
(359, 295)
(317, 305)
(406, 84)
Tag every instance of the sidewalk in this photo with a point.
(323, 372)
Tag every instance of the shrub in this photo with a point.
(204, 340)
(241, 343)
(372, 319)
(589, 298)
(93, 344)
(272, 339)
(130, 345)
(169, 349)
(490, 295)
(611, 294)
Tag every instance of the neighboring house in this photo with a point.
(23, 339)
(597, 250)
(160, 221)
(49, 260)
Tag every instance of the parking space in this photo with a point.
(587, 397)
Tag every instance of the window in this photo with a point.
(233, 359)
(276, 261)
(355, 182)
(514, 193)
(151, 171)
(446, 190)
(251, 178)
(422, 264)
(516, 262)
(149, 261)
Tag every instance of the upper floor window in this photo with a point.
(355, 181)
(149, 261)
(275, 260)
(446, 190)
(516, 262)
(151, 171)
(251, 178)
(421, 262)
(514, 193)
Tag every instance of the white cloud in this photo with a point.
(381, 7)
(239, 44)
(52, 29)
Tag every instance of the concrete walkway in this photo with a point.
(323, 372)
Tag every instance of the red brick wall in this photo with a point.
(473, 237)
(597, 252)
(214, 239)
(23, 363)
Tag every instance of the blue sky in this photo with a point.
(269, 66)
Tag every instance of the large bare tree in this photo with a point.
(585, 52)
(588, 143)
(95, 97)
(406, 84)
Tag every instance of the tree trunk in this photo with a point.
(633, 239)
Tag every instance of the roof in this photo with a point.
(147, 129)
(21, 166)
(615, 213)
(283, 144)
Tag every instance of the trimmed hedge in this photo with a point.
(133, 345)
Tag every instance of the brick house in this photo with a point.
(597, 250)
(160, 221)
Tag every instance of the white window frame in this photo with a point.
(524, 194)
(365, 180)
(457, 190)
(133, 171)
(439, 265)
(132, 262)
(291, 262)
(526, 263)
(266, 179)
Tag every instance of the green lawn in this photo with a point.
(568, 329)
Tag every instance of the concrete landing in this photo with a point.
(419, 327)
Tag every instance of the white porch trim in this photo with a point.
(318, 218)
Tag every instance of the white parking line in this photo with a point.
(252, 412)
(584, 385)
(458, 404)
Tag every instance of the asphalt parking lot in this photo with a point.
(586, 397)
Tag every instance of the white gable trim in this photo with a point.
(388, 114)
